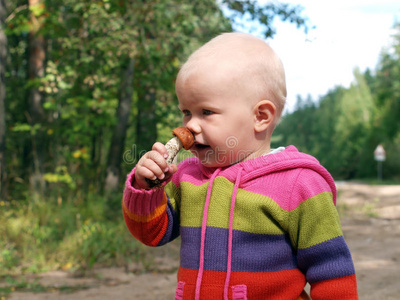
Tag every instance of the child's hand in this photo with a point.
(152, 165)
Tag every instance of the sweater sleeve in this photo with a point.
(149, 214)
(315, 231)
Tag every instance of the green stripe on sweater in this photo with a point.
(253, 212)
(319, 221)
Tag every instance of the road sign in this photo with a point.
(380, 156)
(380, 153)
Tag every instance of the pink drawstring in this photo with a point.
(203, 234)
(230, 236)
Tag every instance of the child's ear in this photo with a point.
(264, 114)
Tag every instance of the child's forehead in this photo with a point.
(211, 90)
(220, 75)
(220, 69)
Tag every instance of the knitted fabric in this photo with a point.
(285, 230)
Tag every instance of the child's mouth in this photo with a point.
(197, 147)
(201, 146)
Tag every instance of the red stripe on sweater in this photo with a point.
(149, 233)
(269, 285)
(343, 288)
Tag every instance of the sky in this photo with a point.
(347, 34)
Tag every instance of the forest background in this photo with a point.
(88, 85)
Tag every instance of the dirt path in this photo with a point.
(371, 224)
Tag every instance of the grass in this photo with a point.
(39, 235)
(370, 208)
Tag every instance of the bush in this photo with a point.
(46, 234)
(97, 243)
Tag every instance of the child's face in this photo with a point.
(220, 116)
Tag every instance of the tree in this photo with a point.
(119, 132)
(387, 87)
(99, 40)
(324, 144)
(3, 55)
(36, 70)
(355, 113)
(166, 32)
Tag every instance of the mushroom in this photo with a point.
(183, 138)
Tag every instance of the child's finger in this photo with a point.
(160, 148)
(158, 158)
(156, 166)
(141, 175)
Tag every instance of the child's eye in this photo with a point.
(207, 112)
(186, 112)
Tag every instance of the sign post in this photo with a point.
(380, 156)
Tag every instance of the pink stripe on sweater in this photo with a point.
(141, 202)
(189, 171)
(290, 188)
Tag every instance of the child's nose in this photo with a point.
(194, 126)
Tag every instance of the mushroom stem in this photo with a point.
(173, 146)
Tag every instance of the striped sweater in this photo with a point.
(259, 229)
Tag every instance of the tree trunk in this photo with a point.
(118, 138)
(146, 122)
(36, 61)
(3, 55)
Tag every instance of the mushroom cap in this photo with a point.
(185, 136)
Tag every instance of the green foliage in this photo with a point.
(61, 175)
(41, 235)
(8, 256)
(97, 243)
(387, 86)
(13, 285)
(352, 128)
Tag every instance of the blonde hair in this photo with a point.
(252, 62)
